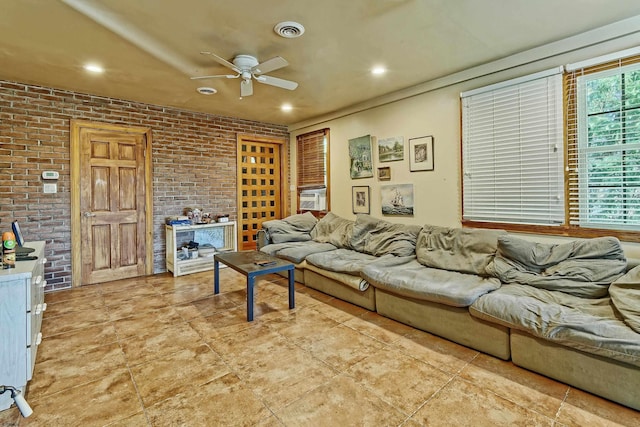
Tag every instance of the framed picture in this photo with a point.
(384, 174)
(391, 149)
(421, 154)
(360, 199)
(361, 159)
(397, 199)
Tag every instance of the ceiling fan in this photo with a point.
(248, 68)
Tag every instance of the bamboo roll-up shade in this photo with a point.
(311, 159)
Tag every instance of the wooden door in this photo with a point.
(112, 190)
(261, 186)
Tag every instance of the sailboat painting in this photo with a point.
(397, 199)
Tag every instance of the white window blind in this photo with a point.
(603, 130)
(512, 151)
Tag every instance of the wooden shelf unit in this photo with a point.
(222, 235)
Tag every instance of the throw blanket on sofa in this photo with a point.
(582, 268)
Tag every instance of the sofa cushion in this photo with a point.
(294, 228)
(540, 256)
(414, 280)
(341, 261)
(378, 237)
(333, 229)
(360, 232)
(587, 324)
(584, 268)
(349, 261)
(296, 252)
(625, 295)
(394, 239)
(466, 250)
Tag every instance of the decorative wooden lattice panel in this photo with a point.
(260, 188)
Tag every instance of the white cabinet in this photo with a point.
(221, 235)
(21, 307)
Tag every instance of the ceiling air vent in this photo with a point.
(289, 29)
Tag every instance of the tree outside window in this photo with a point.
(606, 159)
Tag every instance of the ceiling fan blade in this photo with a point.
(269, 65)
(246, 88)
(274, 81)
(221, 61)
(229, 76)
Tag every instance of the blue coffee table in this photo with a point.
(252, 264)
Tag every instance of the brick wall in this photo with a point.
(194, 163)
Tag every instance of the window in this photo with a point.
(521, 173)
(603, 134)
(313, 171)
(512, 152)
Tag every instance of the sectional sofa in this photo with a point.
(568, 311)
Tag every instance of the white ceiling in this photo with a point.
(150, 48)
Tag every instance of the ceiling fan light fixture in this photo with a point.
(289, 29)
(206, 90)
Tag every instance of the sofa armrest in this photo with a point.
(262, 239)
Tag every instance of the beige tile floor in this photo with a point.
(164, 351)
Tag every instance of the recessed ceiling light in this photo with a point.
(206, 90)
(289, 29)
(378, 70)
(94, 68)
(286, 107)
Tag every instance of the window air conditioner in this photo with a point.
(313, 200)
(309, 201)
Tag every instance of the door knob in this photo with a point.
(89, 214)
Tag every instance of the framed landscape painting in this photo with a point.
(361, 159)
(391, 149)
